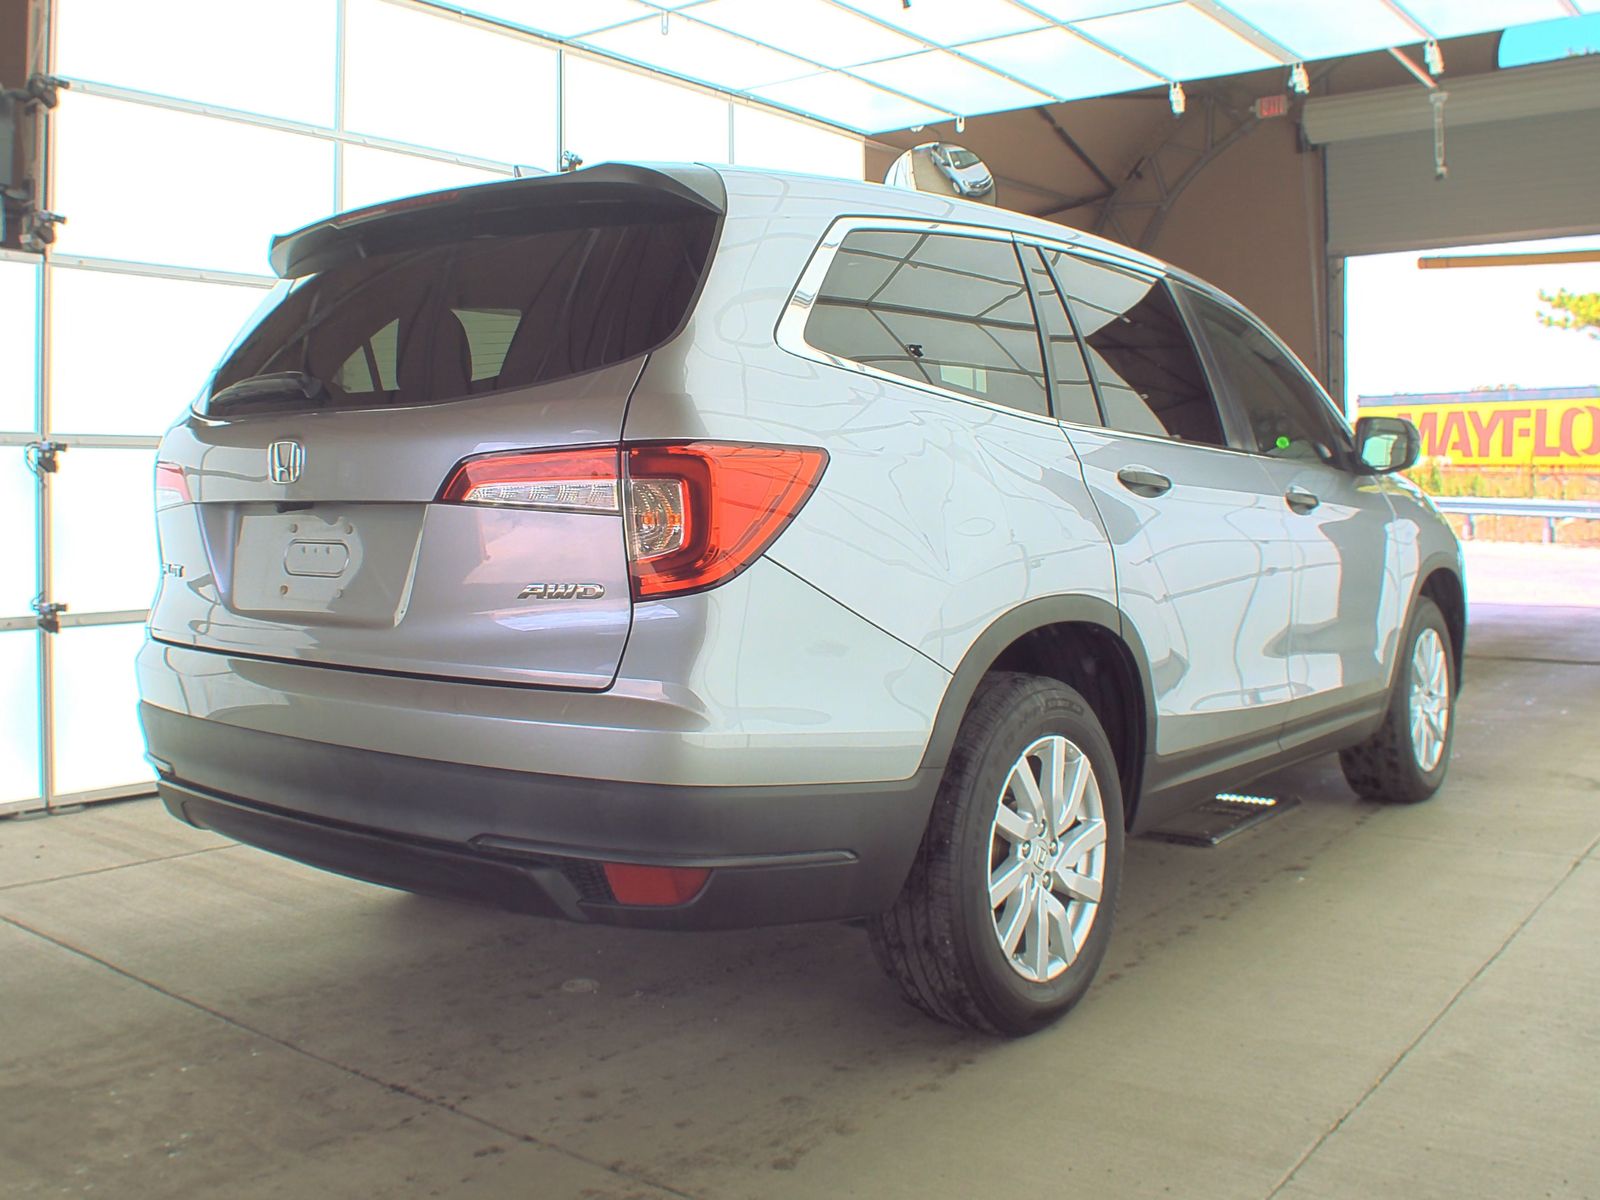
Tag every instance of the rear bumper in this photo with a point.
(534, 842)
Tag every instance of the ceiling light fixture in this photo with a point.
(1176, 98)
(1299, 81)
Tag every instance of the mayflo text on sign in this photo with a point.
(1548, 428)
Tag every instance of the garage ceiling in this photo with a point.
(872, 65)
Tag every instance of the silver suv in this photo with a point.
(691, 548)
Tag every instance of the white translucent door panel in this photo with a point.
(764, 139)
(19, 534)
(19, 702)
(94, 704)
(129, 352)
(268, 56)
(617, 115)
(19, 332)
(435, 81)
(372, 176)
(151, 185)
(103, 535)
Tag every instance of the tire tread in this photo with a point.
(915, 940)
(1382, 768)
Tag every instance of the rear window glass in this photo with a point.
(935, 308)
(444, 322)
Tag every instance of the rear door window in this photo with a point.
(937, 309)
(1150, 378)
(447, 321)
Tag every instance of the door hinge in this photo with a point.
(47, 614)
(41, 456)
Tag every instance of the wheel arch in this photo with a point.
(1085, 643)
(1441, 583)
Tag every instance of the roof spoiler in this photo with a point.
(619, 191)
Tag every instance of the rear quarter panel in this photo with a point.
(936, 515)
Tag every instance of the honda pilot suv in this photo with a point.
(691, 548)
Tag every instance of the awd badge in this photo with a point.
(562, 591)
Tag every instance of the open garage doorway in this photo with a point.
(1487, 348)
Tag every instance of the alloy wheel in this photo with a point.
(1430, 699)
(1047, 858)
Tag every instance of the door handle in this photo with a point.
(1300, 500)
(1142, 481)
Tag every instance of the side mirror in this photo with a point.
(1387, 444)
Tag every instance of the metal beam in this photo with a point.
(1156, 181)
(1417, 73)
(1071, 143)
(1532, 259)
(1253, 34)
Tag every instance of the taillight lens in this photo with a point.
(583, 480)
(698, 513)
(172, 486)
(695, 513)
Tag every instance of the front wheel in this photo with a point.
(1007, 911)
(1405, 761)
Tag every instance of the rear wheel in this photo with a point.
(1005, 916)
(1406, 760)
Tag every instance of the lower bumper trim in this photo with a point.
(534, 843)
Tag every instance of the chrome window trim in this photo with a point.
(1096, 254)
(791, 327)
(1154, 439)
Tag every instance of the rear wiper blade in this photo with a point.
(277, 387)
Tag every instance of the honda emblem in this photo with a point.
(284, 460)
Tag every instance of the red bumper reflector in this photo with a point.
(659, 886)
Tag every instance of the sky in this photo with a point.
(1546, 40)
(1414, 330)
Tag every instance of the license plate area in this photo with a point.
(346, 564)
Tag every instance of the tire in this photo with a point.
(941, 941)
(1405, 761)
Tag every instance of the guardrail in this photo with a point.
(1552, 511)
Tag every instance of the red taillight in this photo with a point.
(696, 513)
(658, 886)
(583, 480)
(172, 486)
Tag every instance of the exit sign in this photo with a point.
(1272, 106)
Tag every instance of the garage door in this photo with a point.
(104, 339)
(1520, 145)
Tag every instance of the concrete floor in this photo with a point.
(1349, 1001)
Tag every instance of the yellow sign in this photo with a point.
(1506, 431)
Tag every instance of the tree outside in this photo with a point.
(1573, 310)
